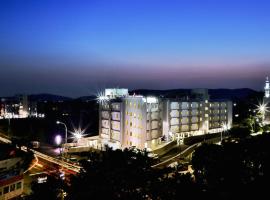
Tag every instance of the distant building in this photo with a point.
(267, 100)
(17, 107)
(145, 121)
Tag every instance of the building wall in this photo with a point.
(141, 121)
(134, 122)
(187, 118)
(11, 188)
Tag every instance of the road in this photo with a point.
(186, 151)
(50, 159)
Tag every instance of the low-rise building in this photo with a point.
(11, 174)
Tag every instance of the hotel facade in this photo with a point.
(146, 121)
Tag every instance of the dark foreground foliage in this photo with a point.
(232, 170)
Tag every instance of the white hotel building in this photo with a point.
(132, 120)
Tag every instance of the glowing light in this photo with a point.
(151, 100)
(78, 133)
(58, 139)
(101, 98)
(262, 108)
(224, 126)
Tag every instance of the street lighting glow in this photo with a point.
(78, 133)
(262, 108)
(101, 98)
(58, 139)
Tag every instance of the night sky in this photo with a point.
(76, 48)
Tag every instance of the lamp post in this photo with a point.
(58, 141)
(224, 128)
(58, 122)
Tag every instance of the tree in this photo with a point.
(54, 189)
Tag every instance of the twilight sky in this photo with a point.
(76, 47)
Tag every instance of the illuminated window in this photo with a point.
(126, 122)
(130, 104)
(130, 143)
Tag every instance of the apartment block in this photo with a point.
(145, 121)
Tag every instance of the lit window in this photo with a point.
(130, 143)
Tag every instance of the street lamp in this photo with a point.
(262, 109)
(58, 122)
(58, 140)
(224, 128)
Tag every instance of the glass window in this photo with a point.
(18, 185)
(6, 189)
(12, 187)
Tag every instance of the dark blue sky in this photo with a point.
(76, 47)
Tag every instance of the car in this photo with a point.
(173, 164)
(35, 144)
(153, 155)
(42, 179)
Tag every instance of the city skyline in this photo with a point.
(75, 48)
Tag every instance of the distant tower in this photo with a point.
(266, 100)
(267, 88)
